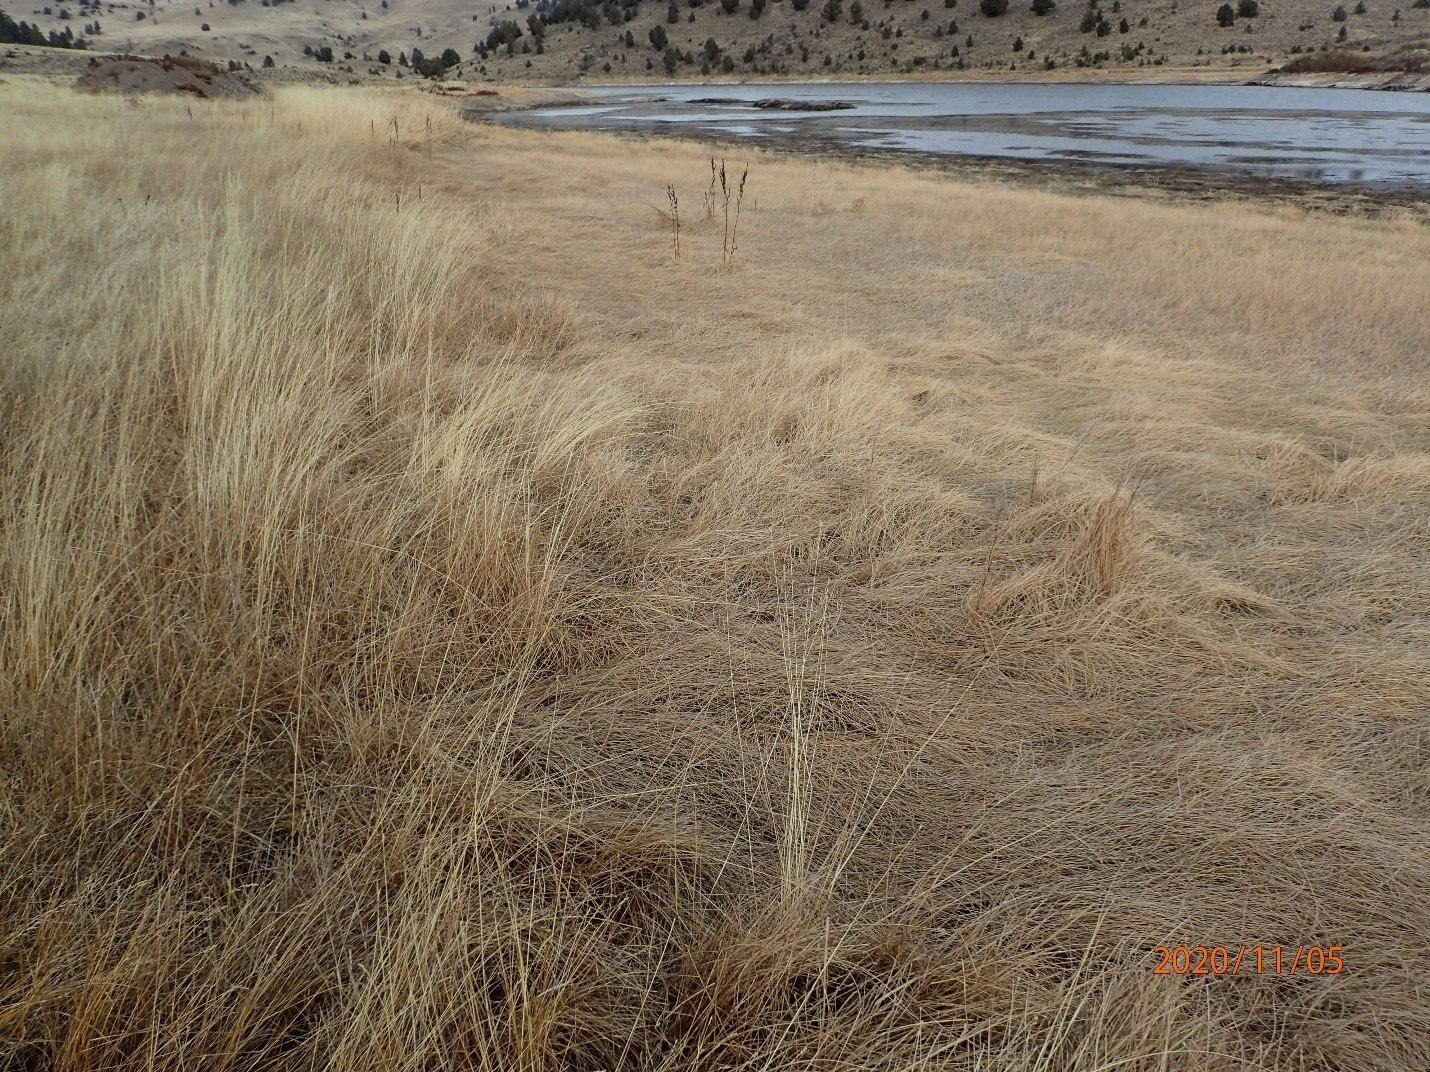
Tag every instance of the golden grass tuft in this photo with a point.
(441, 631)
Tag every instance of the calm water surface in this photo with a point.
(1331, 136)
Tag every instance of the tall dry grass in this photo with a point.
(410, 663)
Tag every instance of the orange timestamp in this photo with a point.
(1249, 960)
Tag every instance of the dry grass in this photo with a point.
(441, 630)
(1412, 57)
(790, 43)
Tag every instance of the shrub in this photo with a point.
(1330, 62)
(383, 56)
(1043, 7)
(505, 32)
(993, 8)
(1225, 16)
(1338, 15)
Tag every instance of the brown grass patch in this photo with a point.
(446, 632)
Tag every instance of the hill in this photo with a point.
(635, 40)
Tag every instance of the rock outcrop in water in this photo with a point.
(777, 104)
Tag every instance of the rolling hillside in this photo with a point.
(659, 40)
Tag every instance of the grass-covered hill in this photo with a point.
(662, 39)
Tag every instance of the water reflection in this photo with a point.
(1326, 136)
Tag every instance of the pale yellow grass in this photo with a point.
(441, 630)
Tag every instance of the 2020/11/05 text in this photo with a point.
(1250, 960)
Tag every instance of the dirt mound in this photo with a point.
(167, 74)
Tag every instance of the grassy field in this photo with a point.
(442, 629)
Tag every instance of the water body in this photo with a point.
(1330, 136)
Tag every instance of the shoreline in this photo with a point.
(1399, 82)
(1156, 183)
(47, 62)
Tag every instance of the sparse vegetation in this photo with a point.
(23, 33)
(1340, 61)
(833, 35)
(674, 219)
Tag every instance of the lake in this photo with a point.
(1331, 136)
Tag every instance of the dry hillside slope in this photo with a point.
(441, 628)
(754, 38)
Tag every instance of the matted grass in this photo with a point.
(440, 630)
